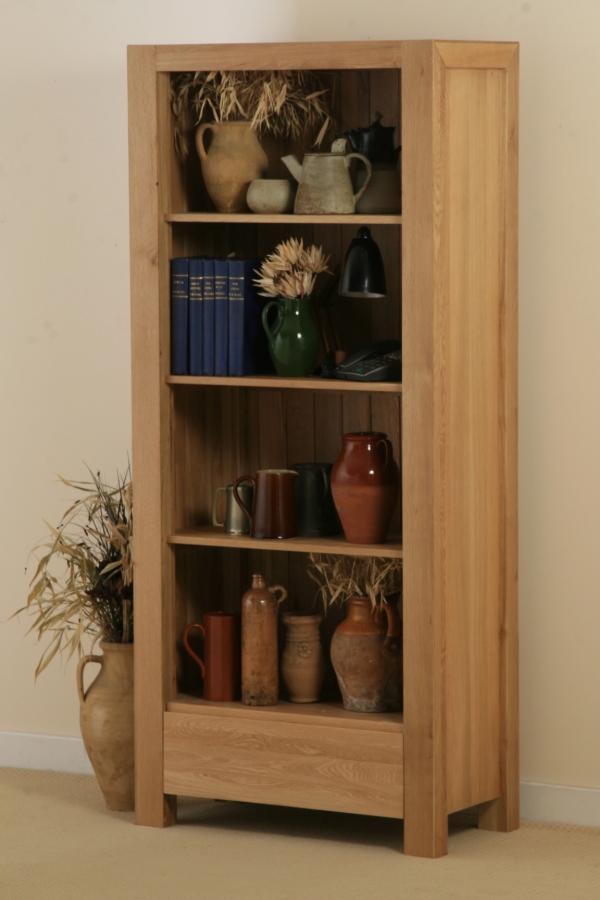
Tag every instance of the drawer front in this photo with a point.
(287, 764)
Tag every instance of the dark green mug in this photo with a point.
(315, 509)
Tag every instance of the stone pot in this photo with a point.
(233, 160)
(106, 719)
(303, 663)
(271, 195)
(366, 654)
(364, 484)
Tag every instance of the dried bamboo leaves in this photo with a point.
(288, 104)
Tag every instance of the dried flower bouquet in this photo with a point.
(291, 270)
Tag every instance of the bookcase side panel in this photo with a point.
(472, 474)
(151, 402)
(425, 807)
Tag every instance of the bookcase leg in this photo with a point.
(157, 812)
(501, 814)
(425, 834)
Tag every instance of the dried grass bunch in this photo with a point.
(291, 270)
(286, 103)
(340, 577)
(83, 583)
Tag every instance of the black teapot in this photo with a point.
(375, 142)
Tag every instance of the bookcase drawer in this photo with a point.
(316, 766)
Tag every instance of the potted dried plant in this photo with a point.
(289, 274)
(366, 648)
(81, 593)
(236, 107)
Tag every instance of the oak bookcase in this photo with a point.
(451, 264)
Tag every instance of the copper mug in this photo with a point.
(274, 511)
(221, 666)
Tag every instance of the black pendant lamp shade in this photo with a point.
(363, 274)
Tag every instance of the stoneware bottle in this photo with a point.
(233, 160)
(364, 484)
(366, 654)
(303, 663)
(106, 719)
(260, 664)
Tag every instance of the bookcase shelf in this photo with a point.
(282, 219)
(275, 382)
(211, 536)
(451, 271)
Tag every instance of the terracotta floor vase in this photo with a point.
(364, 484)
(366, 654)
(106, 719)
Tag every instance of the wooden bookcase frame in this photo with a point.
(456, 745)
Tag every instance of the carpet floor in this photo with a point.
(59, 842)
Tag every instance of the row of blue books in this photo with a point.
(216, 318)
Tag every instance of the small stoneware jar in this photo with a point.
(303, 662)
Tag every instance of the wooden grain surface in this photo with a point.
(209, 535)
(355, 219)
(318, 714)
(152, 559)
(284, 763)
(503, 814)
(322, 55)
(275, 382)
(425, 806)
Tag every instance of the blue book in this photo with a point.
(221, 316)
(208, 284)
(179, 315)
(196, 316)
(248, 345)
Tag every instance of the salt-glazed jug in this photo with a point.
(324, 184)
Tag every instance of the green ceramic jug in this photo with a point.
(293, 337)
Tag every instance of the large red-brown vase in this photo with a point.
(366, 654)
(364, 484)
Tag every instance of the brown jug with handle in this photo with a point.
(220, 667)
(274, 511)
(366, 654)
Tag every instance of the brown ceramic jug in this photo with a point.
(274, 512)
(364, 484)
(106, 719)
(220, 667)
(366, 654)
(303, 663)
(260, 662)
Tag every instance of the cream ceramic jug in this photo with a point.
(324, 184)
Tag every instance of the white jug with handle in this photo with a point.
(324, 185)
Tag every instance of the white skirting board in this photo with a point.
(539, 802)
(53, 753)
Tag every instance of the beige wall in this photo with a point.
(65, 321)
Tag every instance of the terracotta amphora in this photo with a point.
(260, 661)
(233, 160)
(364, 484)
(303, 663)
(106, 719)
(366, 654)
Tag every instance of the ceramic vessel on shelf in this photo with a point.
(233, 160)
(293, 337)
(303, 663)
(377, 143)
(324, 184)
(271, 196)
(315, 509)
(364, 483)
(260, 664)
(106, 719)
(366, 654)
